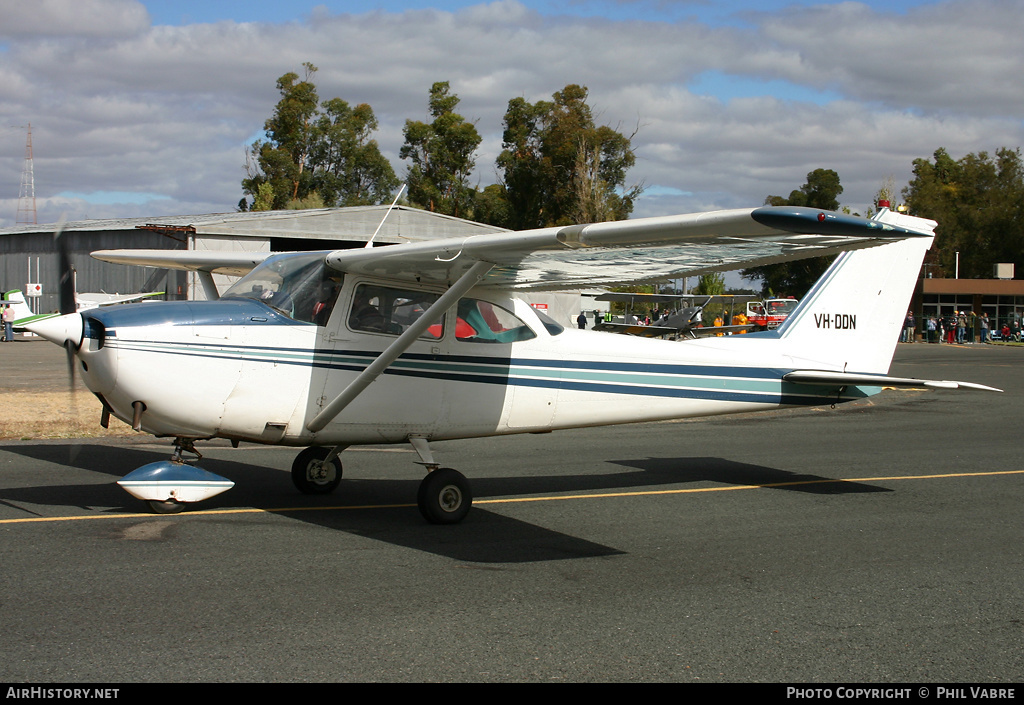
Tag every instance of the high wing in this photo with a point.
(579, 256)
(619, 252)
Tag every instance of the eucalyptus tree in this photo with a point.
(978, 202)
(315, 154)
(559, 167)
(442, 156)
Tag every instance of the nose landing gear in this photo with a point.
(168, 485)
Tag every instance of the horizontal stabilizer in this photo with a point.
(831, 379)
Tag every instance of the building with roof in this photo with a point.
(28, 253)
(1001, 299)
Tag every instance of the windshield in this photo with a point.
(782, 306)
(296, 285)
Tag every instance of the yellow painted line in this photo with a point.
(513, 500)
(730, 488)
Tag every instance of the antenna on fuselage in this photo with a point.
(369, 243)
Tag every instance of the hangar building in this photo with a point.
(28, 253)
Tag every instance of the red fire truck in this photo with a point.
(770, 313)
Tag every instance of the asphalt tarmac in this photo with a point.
(877, 543)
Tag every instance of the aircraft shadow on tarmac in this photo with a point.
(727, 472)
(390, 514)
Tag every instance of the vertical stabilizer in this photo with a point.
(850, 320)
(16, 300)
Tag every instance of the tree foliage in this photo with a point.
(978, 202)
(315, 154)
(794, 278)
(351, 171)
(442, 156)
(558, 167)
(710, 284)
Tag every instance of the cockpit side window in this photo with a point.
(382, 309)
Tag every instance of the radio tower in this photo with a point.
(27, 192)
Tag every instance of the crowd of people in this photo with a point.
(961, 328)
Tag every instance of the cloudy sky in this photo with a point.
(144, 108)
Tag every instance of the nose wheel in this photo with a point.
(169, 506)
(167, 486)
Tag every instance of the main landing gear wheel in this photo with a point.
(312, 475)
(444, 497)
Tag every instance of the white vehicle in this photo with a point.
(427, 341)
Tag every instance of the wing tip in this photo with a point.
(813, 221)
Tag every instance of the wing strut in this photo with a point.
(209, 287)
(466, 282)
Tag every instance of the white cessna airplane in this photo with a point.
(428, 341)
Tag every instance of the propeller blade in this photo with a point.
(69, 349)
(66, 290)
(67, 272)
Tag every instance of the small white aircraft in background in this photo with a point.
(83, 302)
(14, 299)
(428, 341)
(91, 300)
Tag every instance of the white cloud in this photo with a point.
(72, 18)
(168, 110)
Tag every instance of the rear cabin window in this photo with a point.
(483, 322)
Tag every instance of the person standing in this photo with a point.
(8, 317)
(984, 328)
(581, 320)
(908, 328)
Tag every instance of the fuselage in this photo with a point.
(239, 368)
